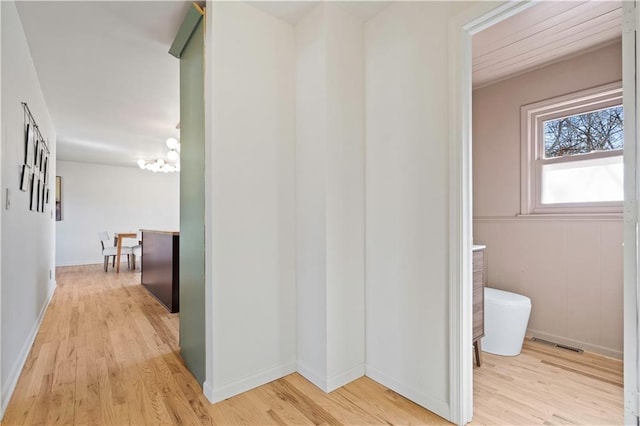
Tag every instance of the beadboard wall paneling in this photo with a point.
(572, 271)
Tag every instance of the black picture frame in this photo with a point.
(43, 153)
(28, 144)
(58, 198)
(24, 178)
(46, 169)
(43, 192)
(33, 192)
(36, 153)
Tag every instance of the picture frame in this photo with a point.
(43, 153)
(36, 153)
(38, 197)
(46, 169)
(47, 197)
(58, 198)
(43, 193)
(24, 178)
(33, 192)
(28, 144)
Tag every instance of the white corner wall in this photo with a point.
(98, 197)
(407, 200)
(253, 296)
(330, 196)
(27, 255)
(311, 203)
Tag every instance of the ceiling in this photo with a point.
(543, 33)
(113, 90)
(110, 85)
(293, 11)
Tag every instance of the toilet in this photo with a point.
(506, 316)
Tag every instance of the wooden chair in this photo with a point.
(111, 251)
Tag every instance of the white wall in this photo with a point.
(570, 268)
(311, 203)
(407, 216)
(113, 199)
(253, 299)
(330, 196)
(27, 236)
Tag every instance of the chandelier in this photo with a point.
(161, 165)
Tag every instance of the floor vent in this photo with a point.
(558, 345)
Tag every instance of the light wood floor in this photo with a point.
(548, 385)
(107, 354)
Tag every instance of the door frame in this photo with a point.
(461, 28)
(631, 186)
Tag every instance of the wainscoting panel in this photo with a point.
(571, 270)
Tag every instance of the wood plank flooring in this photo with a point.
(106, 354)
(548, 385)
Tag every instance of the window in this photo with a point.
(572, 153)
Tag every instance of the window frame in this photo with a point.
(532, 117)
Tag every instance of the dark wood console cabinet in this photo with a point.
(160, 266)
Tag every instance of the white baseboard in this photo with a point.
(345, 377)
(312, 376)
(248, 383)
(84, 262)
(207, 389)
(332, 383)
(12, 380)
(602, 350)
(435, 405)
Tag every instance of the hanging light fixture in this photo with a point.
(160, 165)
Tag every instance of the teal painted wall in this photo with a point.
(192, 291)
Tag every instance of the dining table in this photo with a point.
(119, 236)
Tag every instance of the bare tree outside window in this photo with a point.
(580, 134)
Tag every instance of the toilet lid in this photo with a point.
(505, 297)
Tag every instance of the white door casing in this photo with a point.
(461, 29)
(631, 161)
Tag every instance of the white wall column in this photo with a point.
(330, 196)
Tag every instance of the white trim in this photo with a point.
(208, 201)
(602, 350)
(207, 390)
(232, 389)
(461, 28)
(435, 405)
(603, 217)
(345, 377)
(631, 161)
(2, 132)
(14, 374)
(312, 376)
(332, 383)
(86, 262)
(532, 117)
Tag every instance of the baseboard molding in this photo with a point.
(333, 383)
(232, 389)
(85, 262)
(12, 380)
(312, 376)
(602, 350)
(345, 377)
(92, 262)
(207, 389)
(435, 405)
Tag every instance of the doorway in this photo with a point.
(461, 170)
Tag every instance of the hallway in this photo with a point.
(106, 353)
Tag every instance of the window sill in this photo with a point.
(573, 217)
